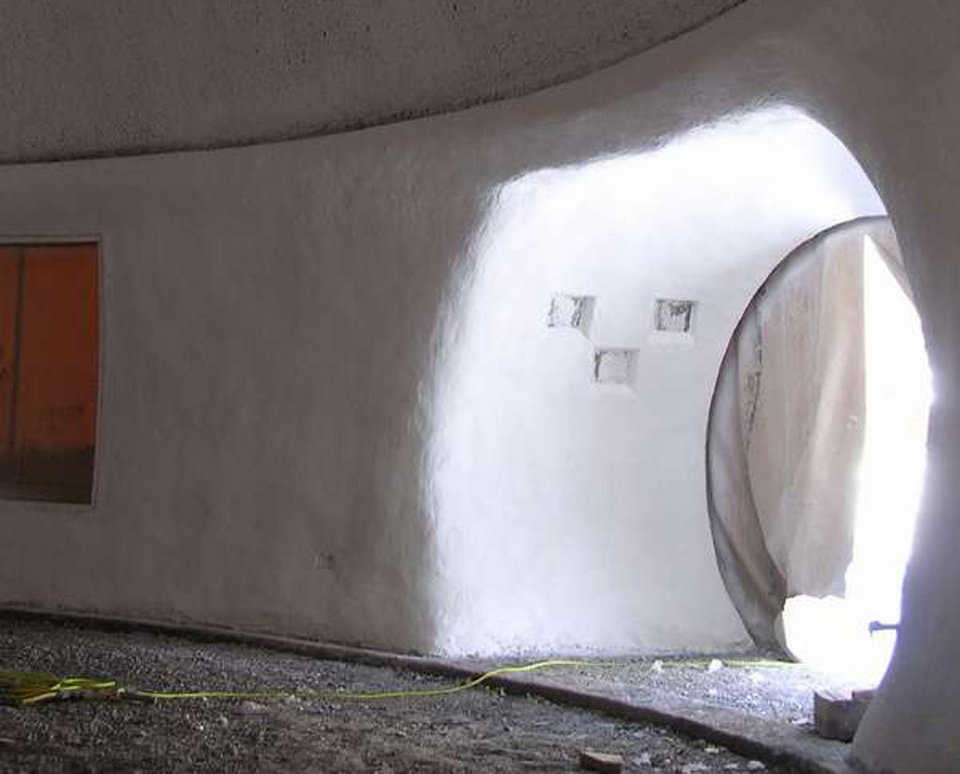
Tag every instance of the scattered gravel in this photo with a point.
(477, 730)
(777, 690)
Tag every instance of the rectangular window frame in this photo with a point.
(13, 502)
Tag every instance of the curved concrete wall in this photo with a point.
(567, 506)
(269, 321)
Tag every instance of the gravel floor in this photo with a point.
(773, 689)
(477, 730)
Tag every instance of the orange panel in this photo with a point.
(57, 395)
(9, 295)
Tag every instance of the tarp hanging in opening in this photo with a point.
(787, 428)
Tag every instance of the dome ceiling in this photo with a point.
(105, 77)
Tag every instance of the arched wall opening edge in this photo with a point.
(825, 374)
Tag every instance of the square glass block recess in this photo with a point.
(49, 370)
(613, 366)
(673, 315)
(567, 311)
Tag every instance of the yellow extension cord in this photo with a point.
(26, 688)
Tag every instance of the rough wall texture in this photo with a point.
(178, 524)
(100, 77)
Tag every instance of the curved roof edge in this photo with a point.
(103, 80)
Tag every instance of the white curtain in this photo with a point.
(787, 429)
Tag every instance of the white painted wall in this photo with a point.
(269, 350)
(571, 515)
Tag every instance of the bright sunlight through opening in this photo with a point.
(832, 634)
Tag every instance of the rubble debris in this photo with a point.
(600, 761)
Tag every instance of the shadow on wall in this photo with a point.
(567, 486)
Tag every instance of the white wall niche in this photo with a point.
(674, 315)
(674, 320)
(571, 311)
(614, 366)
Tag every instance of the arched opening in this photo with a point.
(577, 363)
(816, 451)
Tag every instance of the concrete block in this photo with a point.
(598, 761)
(836, 716)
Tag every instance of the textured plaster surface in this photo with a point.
(268, 345)
(99, 77)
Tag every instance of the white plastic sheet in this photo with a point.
(787, 429)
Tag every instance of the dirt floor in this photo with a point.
(777, 690)
(476, 730)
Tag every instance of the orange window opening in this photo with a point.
(49, 374)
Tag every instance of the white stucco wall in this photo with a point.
(257, 394)
(270, 350)
(570, 515)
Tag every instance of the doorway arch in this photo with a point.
(568, 415)
(788, 426)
